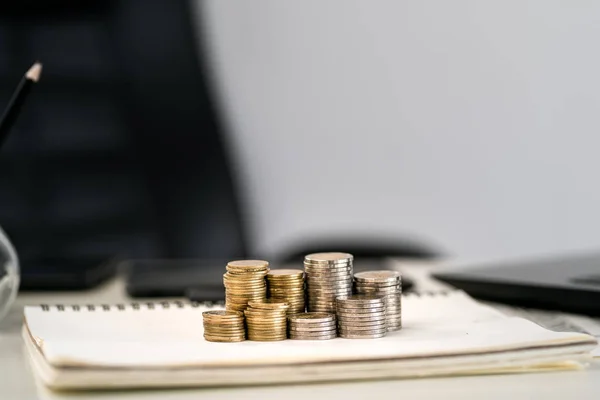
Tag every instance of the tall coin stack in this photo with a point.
(361, 317)
(245, 281)
(266, 321)
(287, 285)
(312, 326)
(387, 284)
(328, 277)
(224, 326)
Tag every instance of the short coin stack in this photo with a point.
(328, 277)
(287, 285)
(361, 317)
(312, 326)
(224, 326)
(387, 284)
(245, 281)
(266, 321)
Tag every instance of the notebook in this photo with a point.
(162, 345)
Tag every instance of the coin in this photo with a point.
(360, 336)
(269, 304)
(222, 314)
(362, 299)
(313, 317)
(248, 265)
(377, 276)
(223, 326)
(285, 273)
(314, 333)
(331, 257)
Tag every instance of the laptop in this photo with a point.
(569, 283)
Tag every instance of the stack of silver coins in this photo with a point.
(361, 317)
(312, 326)
(387, 284)
(328, 277)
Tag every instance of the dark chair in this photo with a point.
(119, 152)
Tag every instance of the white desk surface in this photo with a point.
(17, 382)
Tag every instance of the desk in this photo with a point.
(17, 382)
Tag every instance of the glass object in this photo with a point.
(9, 274)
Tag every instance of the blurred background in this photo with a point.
(212, 129)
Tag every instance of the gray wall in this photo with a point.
(473, 125)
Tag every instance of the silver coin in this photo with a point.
(328, 276)
(308, 322)
(363, 329)
(378, 315)
(328, 269)
(387, 291)
(363, 299)
(329, 293)
(312, 317)
(362, 320)
(329, 286)
(346, 278)
(328, 337)
(355, 336)
(360, 285)
(377, 276)
(363, 317)
(313, 333)
(328, 257)
(313, 336)
(304, 327)
(360, 307)
(361, 311)
(362, 325)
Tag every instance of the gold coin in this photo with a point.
(285, 273)
(222, 314)
(268, 304)
(247, 265)
(224, 338)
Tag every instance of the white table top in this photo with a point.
(17, 381)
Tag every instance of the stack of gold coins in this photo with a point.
(266, 321)
(312, 326)
(328, 277)
(361, 316)
(224, 326)
(387, 284)
(287, 285)
(245, 281)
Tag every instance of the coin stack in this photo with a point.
(245, 281)
(223, 326)
(361, 316)
(266, 321)
(312, 326)
(387, 284)
(287, 285)
(328, 277)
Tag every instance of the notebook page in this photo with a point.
(433, 326)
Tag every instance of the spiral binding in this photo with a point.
(182, 304)
(136, 306)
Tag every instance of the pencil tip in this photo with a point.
(34, 72)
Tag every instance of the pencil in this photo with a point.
(18, 99)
